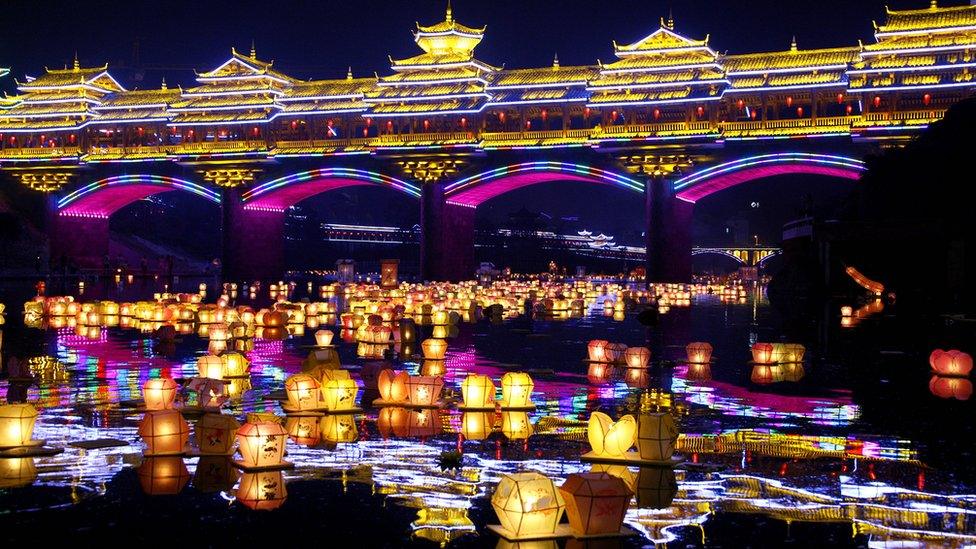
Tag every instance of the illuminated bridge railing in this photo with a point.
(418, 139)
(104, 154)
(211, 147)
(40, 152)
(903, 118)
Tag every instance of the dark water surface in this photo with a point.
(857, 451)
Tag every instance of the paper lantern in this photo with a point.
(762, 353)
(596, 350)
(163, 475)
(323, 338)
(615, 351)
(235, 364)
(262, 490)
(699, 352)
(303, 430)
(951, 363)
(303, 392)
(958, 388)
(516, 425)
(478, 391)
(402, 422)
(609, 439)
(595, 503)
(528, 504)
(434, 349)
(210, 366)
(517, 390)
(846, 311)
(408, 330)
(262, 444)
(16, 424)
(211, 393)
(159, 393)
(164, 432)
(393, 386)
(637, 357)
(215, 434)
(339, 391)
(337, 428)
(762, 374)
(424, 390)
(17, 471)
(792, 352)
(477, 425)
(657, 434)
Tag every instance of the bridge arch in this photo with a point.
(702, 183)
(279, 194)
(104, 197)
(718, 252)
(476, 189)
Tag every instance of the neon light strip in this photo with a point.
(326, 173)
(578, 83)
(918, 87)
(914, 69)
(655, 102)
(777, 158)
(405, 83)
(225, 93)
(554, 167)
(289, 98)
(227, 107)
(425, 98)
(172, 182)
(452, 32)
(916, 50)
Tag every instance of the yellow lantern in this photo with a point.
(163, 475)
(656, 436)
(793, 352)
(699, 352)
(478, 391)
(516, 425)
(637, 357)
(336, 428)
(303, 430)
(424, 390)
(215, 434)
(477, 425)
(235, 364)
(339, 391)
(323, 338)
(262, 490)
(596, 350)
(595, 503)
(165, 432)
(393, 386)
(846, 311)
(159, 393)
(609, 439)
(262, 444)
(434, 349)
(517, 390)
(303, 393)
(16, 425)
(210, 366)
(528, 505)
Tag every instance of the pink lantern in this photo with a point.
(597, 350)
(951, 363)
(958, 388)
(637, 357)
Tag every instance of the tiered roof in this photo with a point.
(914, 49)
(663, 67)
(59, 99)
(445, 79)
(790, 69)
(554, 84)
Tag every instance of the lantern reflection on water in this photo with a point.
(477, 425)
(434, 349)
(763, 374)
(478, 391)
(517, 390)
(17, 471)
(215, 434)
(958, 388)
(303, 430)
(163, 475)
(337, 428)
(595, 503)
(516, 425)
(262, 490)
(528, 505)
(609, 439)
(598, 373)
(164, 432)
(215, 474)
(159, 393)
(262, 444)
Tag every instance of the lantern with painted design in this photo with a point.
(478, 391)
(159, 393)
(595, 503)
(517, 390)
(424, 390)
(303, 392)
(336, 428)
(338, 390)
(262, 444)
(528, 505)
(215, 434)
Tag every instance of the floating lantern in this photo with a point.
(210, 366)
(262, 444)
(434, 349)
(477, 425)
(762, 353)
(165, 432)
(393, 386)
(615, 351)
(323, 338)
(163, 475)
(303, 392)
(235, 364)
(792, 352)
(424, 390)
(596, 350)
(951, 363)
(338, 391)
(595, 503)
(478, 391)
(516, 425)
(215, 434)
(637, 357)
(16, 424)
(699, 352)
(262, 490)
(517, 390)
(336, 428)
(159, 393)
(657, 434)
(609, 439)
(846, 311)
(528, 505)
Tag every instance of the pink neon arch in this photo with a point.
(284, 192)
(105, 197)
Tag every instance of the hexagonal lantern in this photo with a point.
(262, 444)
(164, 432)
(478, 391)
(528, 505)
(657, 433)
(425, 390)
(303, 392)
(595, 503)
(517, 390)
(159, 393)
(215, 434)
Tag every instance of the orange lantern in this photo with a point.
(596, 349)
(699, 352)
(323, 338)
(637, 357)
(262, 444)
(951, 363)
(762, 353)
(598, 373)
(159, 393)
(434, 349)
(424, 390)
(165, 432)
(615, 351)
(303, 393)
(262, 490)
(595, 503)
(163, 476)
(215, 434)
(393, 386)
(210, 366)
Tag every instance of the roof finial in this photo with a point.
(76, 66)
(254, 51)
(449, 17)
(934, 5)
(793, 43)
(163, 86)
(555, 60)
(670, 19)
(349, 74)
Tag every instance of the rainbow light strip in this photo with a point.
(768, 165)
(170, 183)
(555, 168)
(352, 174)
